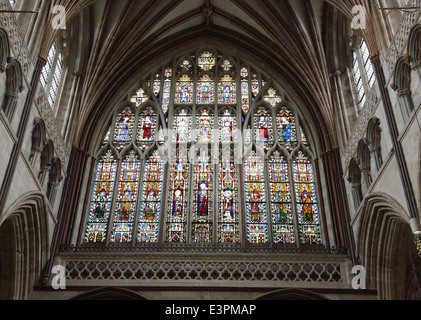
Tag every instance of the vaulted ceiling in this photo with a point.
(292, 38)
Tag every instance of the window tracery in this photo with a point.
(200, 193)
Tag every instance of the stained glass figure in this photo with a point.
(146, 130)
(272, 97)
(202, 217)
(280, 193)
(227, 126)
(139, 98)
(228, 223)
(206, 61)
(182, 126)
(204, 126)
(205, 91)
(100, 208)
(227, 91)
(307, 208)
(256, 211)
(128, 188)
(263, 128)
(150, 205)
(287, 131)
(178, 198)
(184, 91)
(124, 129)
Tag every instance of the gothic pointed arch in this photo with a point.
(292, 294)
(202, 165)
(414, 45)
(385, 245)
(14, 86)
(4, 49)
(110, 294)
(24, 249)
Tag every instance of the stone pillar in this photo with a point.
(339, 204)
(394, 133)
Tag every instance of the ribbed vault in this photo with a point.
(123, 37)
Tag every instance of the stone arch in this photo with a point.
(414, 46)
(402, 84)
(23, 246)
(105, 294)
(354, 178)
(4, 49)
(39, 136)
(291, 294)
(47, 157)
(14, 86)
(385, 246)
(374, 141)
(364, 159)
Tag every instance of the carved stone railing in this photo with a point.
(46, 113)
(360, 126)
(9, 23)
(212, 266)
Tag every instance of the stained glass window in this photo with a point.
(226, 65)
(204, 127)
(287, 133)
(206, 61)
(255, 87)
(245, 90)
(227, 126)
(228, 219)
(184, 91)
(272, 97)
(263, 128)
(107, 137)
(182, 126)
(150, 206)
(178, 198)
(202, 218)
(157, 86)
(139, 98)
(307, 208)
(128, 189)
(146, 131)
(256, 209)
(227, 91)
(205, 91)
(100, 208)
(280, 194)
(124, 129)
(205, 196)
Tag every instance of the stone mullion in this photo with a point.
(268, 203)
(294, 204)
(140, 192)
(322, 211)
(164, 204)
(114, 201)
